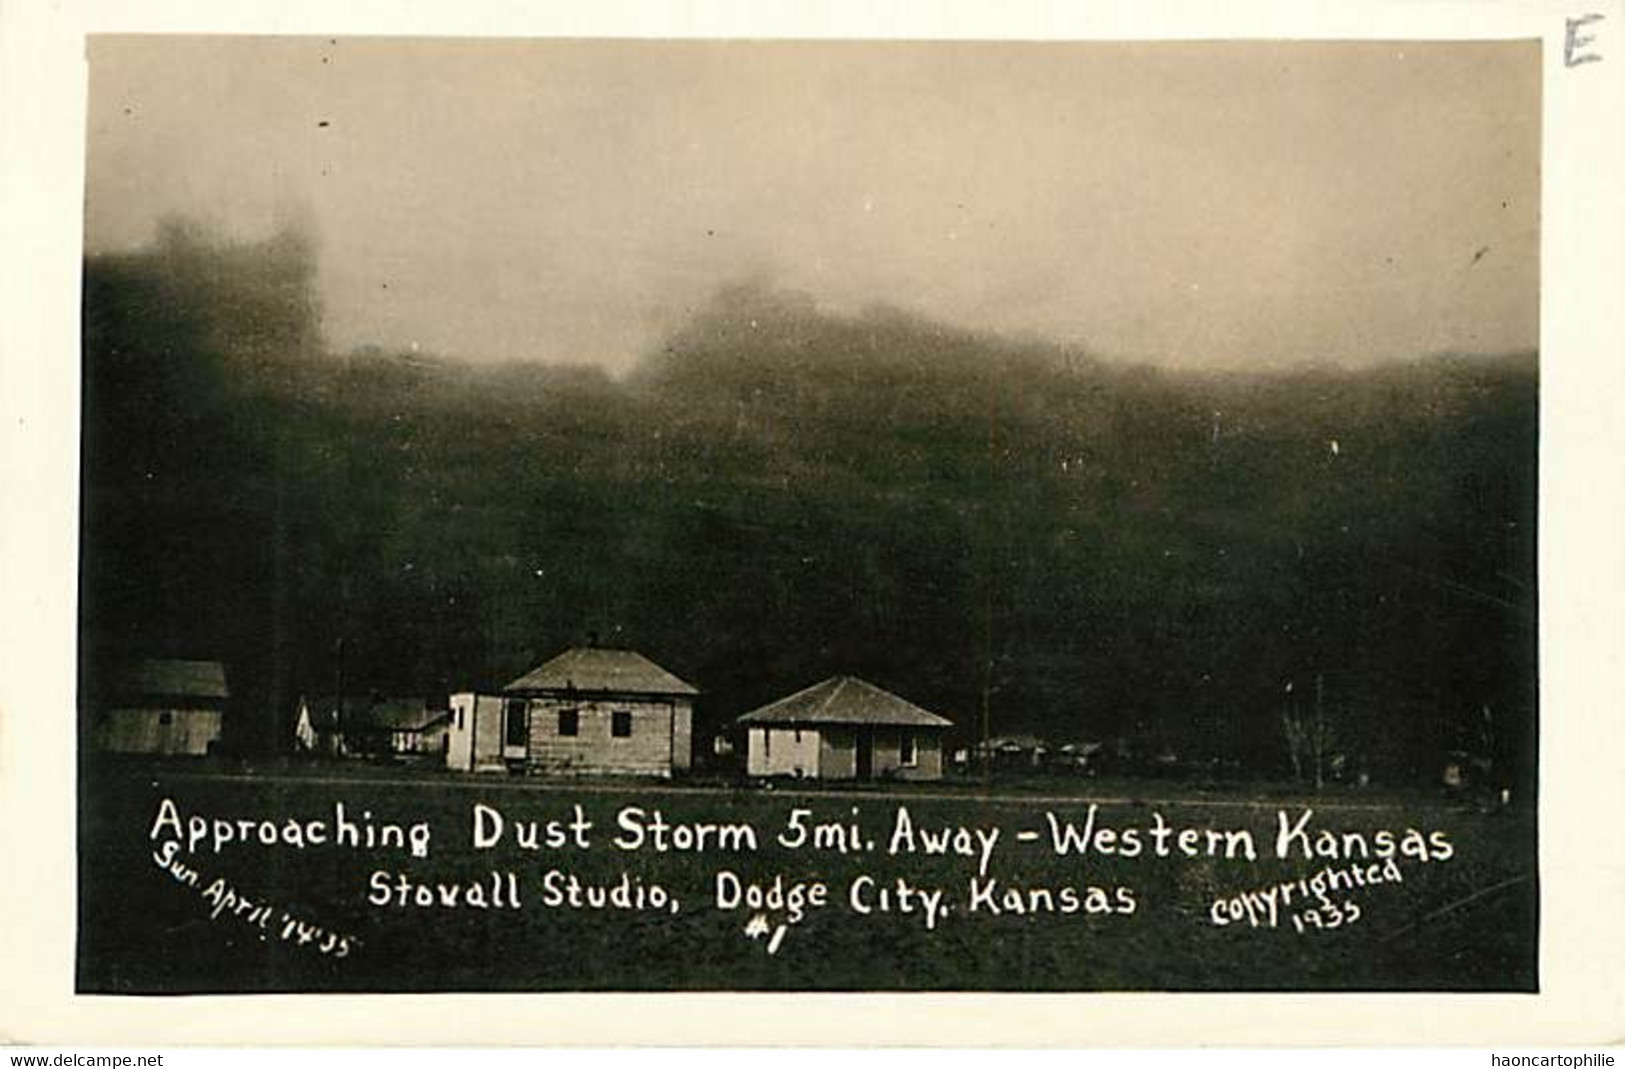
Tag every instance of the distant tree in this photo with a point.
(1310, 736)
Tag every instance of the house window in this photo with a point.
(518, 727)
(767, 742)
(165, 718)
(620, 724)
(908, 754)
(569, 723)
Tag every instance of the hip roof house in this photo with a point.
(844, 728)
(590, 710)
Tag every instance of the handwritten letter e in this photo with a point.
(1573, 42)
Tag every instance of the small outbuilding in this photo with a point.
(163, 707)
(589, 711)
(844, 728)
(316, 728)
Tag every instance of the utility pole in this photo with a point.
(337, 718)
(1320, 727)
(990, 556)
(987, 699)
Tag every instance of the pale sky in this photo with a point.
(1222, 205)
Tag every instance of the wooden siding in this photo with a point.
(160, 731)
(888, 762)
(660, 739)
(682, 755)
(838, 754)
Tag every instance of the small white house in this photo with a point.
(843, 728)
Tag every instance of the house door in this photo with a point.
(866, 754)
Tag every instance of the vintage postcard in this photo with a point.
(735, 514)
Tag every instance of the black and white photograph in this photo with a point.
(621, 528)
(761, 515)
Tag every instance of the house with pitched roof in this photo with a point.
(162, 707)
(844, 728)
(589, 711)
(379, 725)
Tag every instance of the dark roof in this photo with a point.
(844, 700)
(592, 668)
(364, 713)
(396, 714)
(175, 679)
(1013, 743)
(326, 711)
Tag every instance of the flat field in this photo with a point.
(328, 880)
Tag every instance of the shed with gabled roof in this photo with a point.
(160, 706)
(844, 728)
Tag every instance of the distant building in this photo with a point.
(590, 710)
(304, 730)
(1463, 769)
(1012, 753)
(1077, 756)
(844, 728)
(162, 707)
(316, 728)
(371, 725)
(400, 727)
